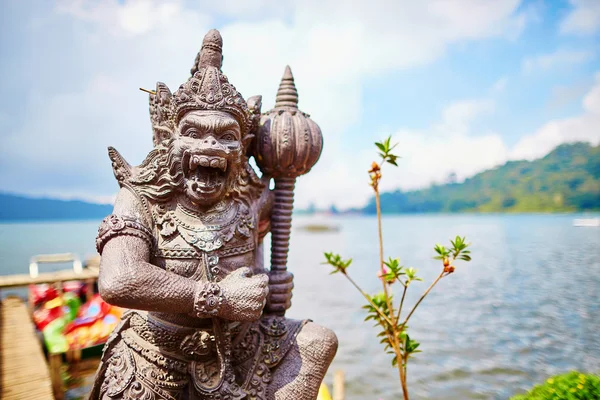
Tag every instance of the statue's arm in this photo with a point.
(127, 278)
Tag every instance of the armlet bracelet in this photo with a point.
(208, 300)
(114, 225)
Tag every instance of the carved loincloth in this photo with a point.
(150, 359)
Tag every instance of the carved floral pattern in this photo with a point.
(119, 372)
(208, 300)
(198, 343)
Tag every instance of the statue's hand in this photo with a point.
(281, 284)
(244, 295)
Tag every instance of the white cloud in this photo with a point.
(457, 116)
(448, 146)
(499, 86)
(583, 19)
(584, 127)
(563, 95)
(99, 52)
(559, 58)
(451, 146)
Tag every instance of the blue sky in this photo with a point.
(461, 85)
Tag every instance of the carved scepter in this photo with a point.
(288, 144)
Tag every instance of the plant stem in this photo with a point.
(401, 302)
(440, 276)
(380, 231)
(405, 364)
(403, 378)
(366, 296)
(394, 342)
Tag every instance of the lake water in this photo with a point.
(525, 308)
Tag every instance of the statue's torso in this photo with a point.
(203, 246)
(206, 358)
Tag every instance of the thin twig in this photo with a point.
(380, 231)
(366, 296)
(440, 276)
(395, 344)
(401, 302)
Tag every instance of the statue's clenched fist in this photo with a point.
(241, 296)
(281, 284)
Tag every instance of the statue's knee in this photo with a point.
(320, 341)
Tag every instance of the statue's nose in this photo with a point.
(210, 140)
(210, 145)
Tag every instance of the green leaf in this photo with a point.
(411, 275)
(336, 261)
(380, 146)
(387, 143)
(441, 250)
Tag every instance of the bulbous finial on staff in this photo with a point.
(288, 142)
(211, 52)
(287, 95)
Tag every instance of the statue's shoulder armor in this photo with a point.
(142, 204)
(129, 218)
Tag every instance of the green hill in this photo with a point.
(567, 179)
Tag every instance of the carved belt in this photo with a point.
(203, 353)
(182, 343)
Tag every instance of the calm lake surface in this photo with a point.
(526, 307)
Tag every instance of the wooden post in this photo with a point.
(55, 361)
(339, 392)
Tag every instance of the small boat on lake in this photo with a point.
(587, 222)
(319, 228)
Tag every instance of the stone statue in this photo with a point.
(183, 249)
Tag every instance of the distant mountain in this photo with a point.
(567, 179)
(20, 208)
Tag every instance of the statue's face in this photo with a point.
(211, 149)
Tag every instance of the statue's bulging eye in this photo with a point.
(228, 136)
(191, 133)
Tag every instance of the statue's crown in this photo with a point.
(207, 89)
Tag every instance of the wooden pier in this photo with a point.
(24, 373)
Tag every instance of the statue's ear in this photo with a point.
(254, 106)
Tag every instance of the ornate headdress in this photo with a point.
(207, 89)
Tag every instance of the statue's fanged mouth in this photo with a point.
(206, 174)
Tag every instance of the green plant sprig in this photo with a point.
(380, 308)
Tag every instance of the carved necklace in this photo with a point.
(217, 212)
(226, 217)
